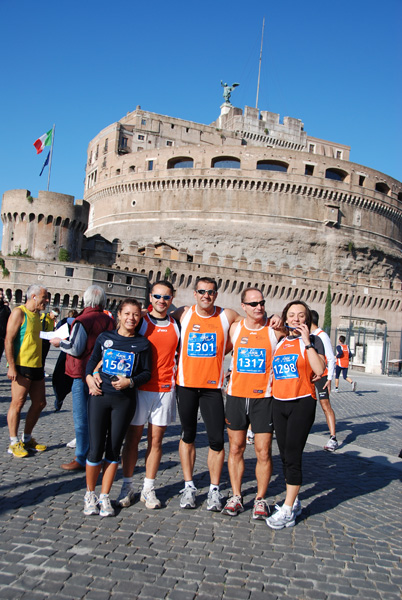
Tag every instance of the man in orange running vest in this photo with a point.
(156, 399)
(343, 355)
(249, 400)
(200, 375)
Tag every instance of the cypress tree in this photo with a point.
(327, 315)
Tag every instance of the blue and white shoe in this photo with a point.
(281, 519)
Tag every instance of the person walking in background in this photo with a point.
(84, 332)
(323, 384)
(343, 356)
(5, 313)
(23, 347)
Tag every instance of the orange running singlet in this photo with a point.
(343, 361)
(251, 376)
(292, 372)
(164, 340)
(202, 349)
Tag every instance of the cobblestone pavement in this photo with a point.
(347, 543)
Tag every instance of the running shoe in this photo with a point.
(214, 501)
(260, 509)
(33, 445)
(188, 495)
(72, 444)
(150, 499)
(336, 390)
(354, 386)
(331, 445)
(106, 508)
(18, 450)
(281, 519)
(233, 506)
(126, 496)
(297, 507)
(250, 439)
(90, 504)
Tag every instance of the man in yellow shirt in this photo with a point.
(23, 347)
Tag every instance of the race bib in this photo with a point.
(285, 366)
(116, 362)
(251, 360)
(201, 345)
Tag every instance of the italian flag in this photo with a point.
(44, 140)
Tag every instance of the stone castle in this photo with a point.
(247, 199)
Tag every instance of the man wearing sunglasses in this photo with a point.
(200, 375)
(249, 400)
(156, 400)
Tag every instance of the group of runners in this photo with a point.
(137, 373)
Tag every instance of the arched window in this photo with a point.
(272, 165)
(335, 174)
(180, 162)
(226, 162)
(66, 300)
(56, 301)
(382, 187)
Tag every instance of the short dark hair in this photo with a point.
(292, 303)
(314, 317)
(131, 301)
(163, 282)
(250, 289)
(342, 339)
(206, 280)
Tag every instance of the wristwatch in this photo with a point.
(131, 382)
(308, 346)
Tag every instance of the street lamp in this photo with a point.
(352, 285)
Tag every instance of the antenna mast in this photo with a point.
(259, 68)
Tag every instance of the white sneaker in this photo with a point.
(214, 501)
(297, 507)
(90, 504)
(188, 495)
(331, 445)
(281, 519)
(150, 499)
(126, 496)
(354, 386)
(250, 439)
(336, 390)
(71, 444)
(106, 508)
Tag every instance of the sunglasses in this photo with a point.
(158, 297)
(254, 304)
(203, 292)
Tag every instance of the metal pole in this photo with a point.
(259, 67)
(51, 156)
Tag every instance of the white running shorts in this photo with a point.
(158, 408)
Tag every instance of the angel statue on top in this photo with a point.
(227, 90)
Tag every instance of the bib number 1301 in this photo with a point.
(201, 344)
(285, 367)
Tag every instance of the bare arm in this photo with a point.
(180, 313)
(317, 361)
(14, 323)
(232, 316)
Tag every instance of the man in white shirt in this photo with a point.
(323, 384)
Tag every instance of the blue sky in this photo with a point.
(84, 64)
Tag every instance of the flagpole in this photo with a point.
(51, 156)
(259, 67)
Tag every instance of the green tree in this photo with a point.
(168, 273)
(327, 315)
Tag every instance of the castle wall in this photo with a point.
(41, 226)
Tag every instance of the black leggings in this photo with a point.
(108, 418)
(210, 402)
(293, 420)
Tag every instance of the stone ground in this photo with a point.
(346, 544)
